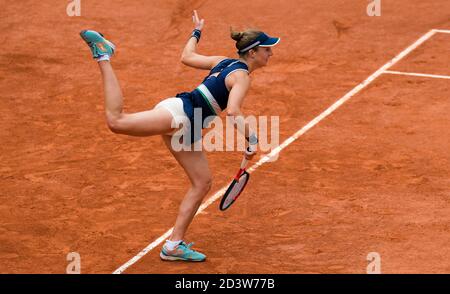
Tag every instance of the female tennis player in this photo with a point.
(224, 88)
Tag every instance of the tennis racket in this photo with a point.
(236, 187)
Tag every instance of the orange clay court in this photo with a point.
(371, 176)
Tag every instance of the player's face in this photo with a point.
(262, 55)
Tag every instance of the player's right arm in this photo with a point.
(240, 84)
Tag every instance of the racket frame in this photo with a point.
(242, 171)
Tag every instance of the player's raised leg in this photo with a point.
(146, 123)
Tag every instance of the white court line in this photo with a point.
(287, 142)
(442, 31)
(416, 74)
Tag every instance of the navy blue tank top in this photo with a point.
(211, 96)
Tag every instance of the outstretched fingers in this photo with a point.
(196, 19)
(197, 22)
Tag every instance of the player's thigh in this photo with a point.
(194, 163)
(147, 123)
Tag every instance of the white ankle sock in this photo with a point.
(103, 58)
(172, 244)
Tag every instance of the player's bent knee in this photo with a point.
(204, 185)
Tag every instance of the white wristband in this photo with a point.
(252, 139)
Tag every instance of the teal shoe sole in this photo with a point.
(97, 43)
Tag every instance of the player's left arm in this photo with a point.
(190, 57)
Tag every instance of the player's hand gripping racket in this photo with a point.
(236, 187)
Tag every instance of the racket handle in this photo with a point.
(244, 163)
(242, 169)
